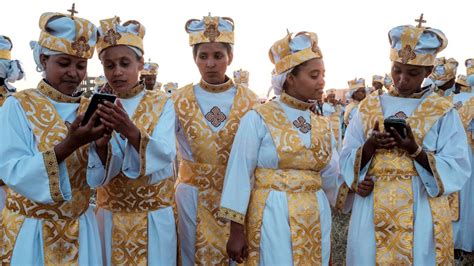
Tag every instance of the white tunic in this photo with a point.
(186, 195)
(160, 153)
(447, 137)
(23, 170)
(254, 147)
(464, 228)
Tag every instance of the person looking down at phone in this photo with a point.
(357, 93)
(402, 179)
(135, 190)
(44, 153)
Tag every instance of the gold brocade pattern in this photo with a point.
(393, 195)
(211, 152)
(216, 88)
(131, 93)
(130, 200)
(294, 103)
(348, 110)
(61, 219)
(298, 175)
(55, 95)
(335, 119)
(466, 112)
(3, 94)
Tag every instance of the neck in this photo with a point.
(67, 92)
(296, 95)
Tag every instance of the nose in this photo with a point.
(117, 71)
(210, 63)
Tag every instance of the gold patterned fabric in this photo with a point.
(130, 200)
(348, 110)
(335, 119)
(297, 175)
(3, 94)
(211, 152)
(60, 219)
(393, 195)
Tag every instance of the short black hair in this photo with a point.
(227, 46)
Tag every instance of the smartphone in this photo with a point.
(94, 103)
(398, 124)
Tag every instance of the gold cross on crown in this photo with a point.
(73, 10)
(420, 21)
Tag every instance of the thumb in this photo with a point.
(376, 126)
(119, 104)
(76, 123)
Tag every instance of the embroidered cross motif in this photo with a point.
(212, 32)
(80, 46)
(406, 54)
(215, 116)
(300, 123)
(111, 37)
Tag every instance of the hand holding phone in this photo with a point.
(97, 98)
(399, 124)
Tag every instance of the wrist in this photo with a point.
(236, 228)
(416, 152)
(133, 134)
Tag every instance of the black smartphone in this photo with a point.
(94, 103)
(399, 124)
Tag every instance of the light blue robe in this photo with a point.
(448, 139)
(160, 153)
(23, 170)
(254, 147)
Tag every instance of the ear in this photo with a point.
(231, 57)
(290, 79)
(141, 64)
(429, 69)
(44, 60)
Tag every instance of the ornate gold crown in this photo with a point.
(284, 59)
(241, 76)
(79, 47)
(449, 67)
(378, 78)
(356, 83)
(6, 54)
(111, 37)
(469, 66)
(209, 31)
(150, 69)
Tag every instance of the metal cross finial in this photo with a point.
(73, 10)
(420, 21)
(287, 32)
(209, 14)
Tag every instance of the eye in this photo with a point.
(218, 56)
(202, 56)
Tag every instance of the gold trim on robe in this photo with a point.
(393, 195)
(210, 152)
(130, 200)
(60, 220)
(298, 174)
(348, 110)
(3, 94)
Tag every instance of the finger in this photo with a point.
(245, 252)
(106, 123)
(76, 123)
(92, 120)
(376, 126)
(409, 132)
(107, 116)
(120, 105)
(396, 135)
